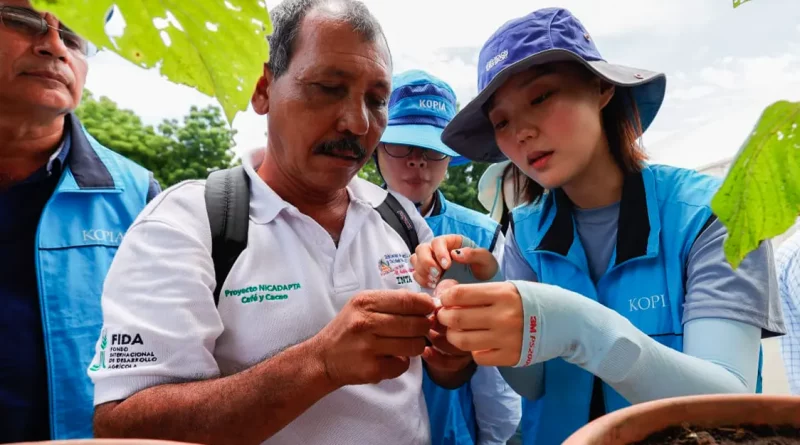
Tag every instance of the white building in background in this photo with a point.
(720, 169)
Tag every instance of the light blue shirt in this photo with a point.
(788, 269)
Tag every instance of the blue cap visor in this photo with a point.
(423, 136)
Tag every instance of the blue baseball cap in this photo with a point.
(420, 107)
(543, 36)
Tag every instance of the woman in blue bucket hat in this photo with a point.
(618, 291)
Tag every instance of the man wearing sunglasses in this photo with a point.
(413, 161)
(65, 204)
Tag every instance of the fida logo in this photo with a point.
(102, 354)
(125, 339)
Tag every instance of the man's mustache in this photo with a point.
(347, 148)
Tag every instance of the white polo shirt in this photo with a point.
(161, 325)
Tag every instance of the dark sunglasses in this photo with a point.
(28, 22)
(403, 151)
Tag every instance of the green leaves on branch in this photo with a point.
(173, 151)
(216, 46)
(760, 198)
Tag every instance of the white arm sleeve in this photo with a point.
(159, 318)
(721, 356)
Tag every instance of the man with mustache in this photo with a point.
(65, 204)
(312, 332)
(413, 161)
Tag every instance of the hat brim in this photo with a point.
(471, 134)
(424, 136)
(489, 189)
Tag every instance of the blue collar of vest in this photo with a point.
(639, 226)
(85, 166)
(439, 204)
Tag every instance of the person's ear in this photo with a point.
(260, 99)
(606, 92)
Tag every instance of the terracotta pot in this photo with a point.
(104, 442)
(636, 422)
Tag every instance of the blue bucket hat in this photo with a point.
(543, 36)
(420, 107)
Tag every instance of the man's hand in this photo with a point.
(431, 259)
(447, 365)
(372, 338)
(442, 355)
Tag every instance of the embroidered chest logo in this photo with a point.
(639, 304)
(397, 264)
(263, 292)
(100, 235)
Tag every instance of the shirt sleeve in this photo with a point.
(154, 189)
(514, 265)
(788, 263)
(160, 322)
(748, 294)
(498, 409)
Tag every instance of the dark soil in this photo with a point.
(744, 434)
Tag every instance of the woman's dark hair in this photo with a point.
(623, 130)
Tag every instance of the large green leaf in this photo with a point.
(760, 197)
(216, 46)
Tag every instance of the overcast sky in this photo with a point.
(723, 66)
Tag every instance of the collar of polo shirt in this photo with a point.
(265, 204)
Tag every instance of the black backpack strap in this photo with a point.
(497, 233)
(396, 216)
(505, 220)
(228, 203)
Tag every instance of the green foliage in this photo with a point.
(120, 130)
(760, 197)
(737, 3)
(175, 151)
(461, 185)
(370, 173)
(216, 46)
(202, 143)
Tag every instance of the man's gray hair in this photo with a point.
(288, 15)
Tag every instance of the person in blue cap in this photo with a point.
(618, 288)
(413, 162)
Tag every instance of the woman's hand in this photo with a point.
(485, 319)
(431, 259)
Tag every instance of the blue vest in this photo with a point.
(451, 412)
(662, 212)
(96, 200)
